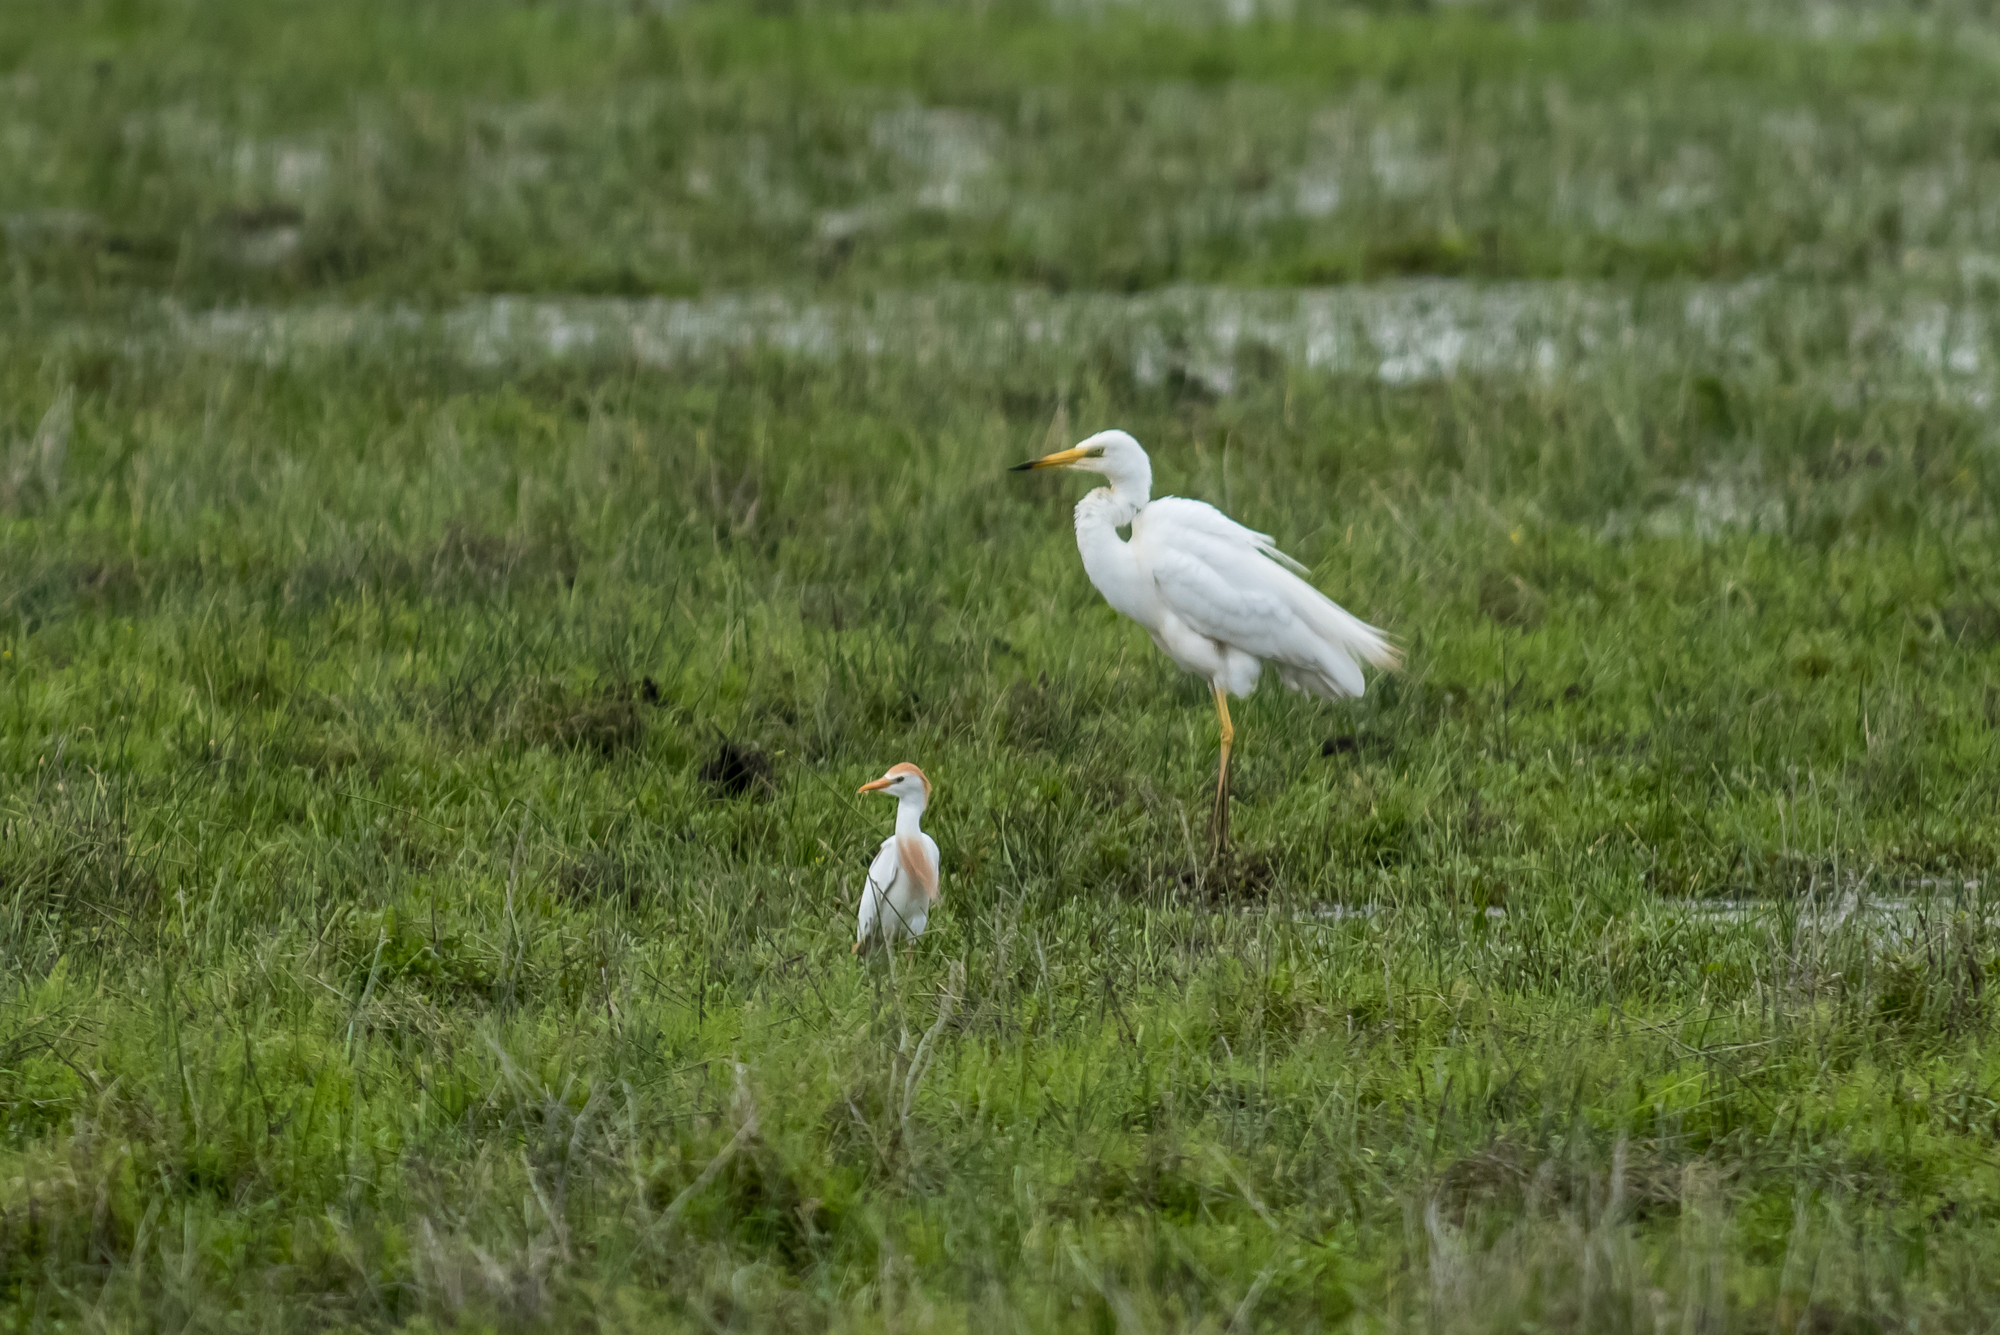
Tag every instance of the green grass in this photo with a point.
(387, 948)
(429, 150)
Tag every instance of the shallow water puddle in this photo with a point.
(1891, 920)
(1888, 919)
(1210, 338)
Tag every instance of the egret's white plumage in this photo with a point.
(902, 882)
(1218, 599)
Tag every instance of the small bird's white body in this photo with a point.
(902, 883)
(896, 900)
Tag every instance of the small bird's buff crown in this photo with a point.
(894, 773)
(907, 768)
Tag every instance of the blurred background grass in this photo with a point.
(479, 486)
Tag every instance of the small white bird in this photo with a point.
(1219, 599)
(903, 879)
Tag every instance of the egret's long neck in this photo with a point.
(1106, 557)
(909, 812)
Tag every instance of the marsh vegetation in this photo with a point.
(481, 485)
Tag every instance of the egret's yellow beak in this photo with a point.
(1060, 459)
(874, 785)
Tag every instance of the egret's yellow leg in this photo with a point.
(1220, 821)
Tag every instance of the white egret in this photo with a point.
(902, 881)
(1219, 599)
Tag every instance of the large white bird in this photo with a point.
(1219, 599)
(902, 881)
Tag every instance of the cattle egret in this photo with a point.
(903, 879)
(1217, 598)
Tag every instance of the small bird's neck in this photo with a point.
(909, 815)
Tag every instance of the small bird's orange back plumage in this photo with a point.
(917, 865)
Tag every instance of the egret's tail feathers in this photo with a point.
(1345, 643)
(1335, 681)
(1371, 645)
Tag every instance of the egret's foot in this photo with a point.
(1218, 823)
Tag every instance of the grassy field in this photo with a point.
(481, 484)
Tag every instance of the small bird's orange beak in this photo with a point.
(1060, 459)
(874, 785)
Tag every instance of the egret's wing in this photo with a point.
(1199, 517)
(1220, 579)
(1218, 602)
